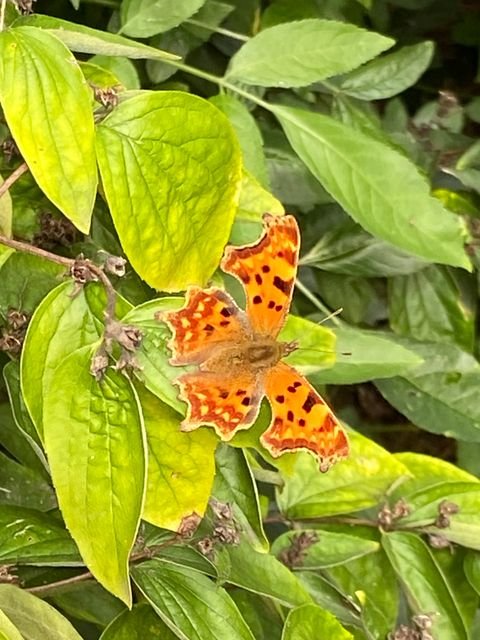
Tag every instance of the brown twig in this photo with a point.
(146, 554)
(13, 177)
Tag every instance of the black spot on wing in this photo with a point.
(283, 285)
(310, 402)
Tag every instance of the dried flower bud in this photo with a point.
(115, 265)
(448, 508)
(107, 97)
(206, 546)
(10, 149)
(222, 510)
(16, 319)
(81, 273)
(438, 542)
(442, 521)
(385, 517)
(7, 575)
(294, 556)
(227, 534)
(99, 364)
(189, 525)
(400, 509)
(25, 6)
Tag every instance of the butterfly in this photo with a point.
(239, 359)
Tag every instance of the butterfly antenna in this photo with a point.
(331, 315)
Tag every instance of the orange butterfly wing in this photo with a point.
(301, 419)
(210, 317)
(267, 270)
(227, 403)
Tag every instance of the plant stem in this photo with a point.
(316, 301)
(13, 177)
(2, 14)
(36, 251)
(49, 589)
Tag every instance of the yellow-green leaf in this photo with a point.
(181, 466)
(46, 104)
(170, 166)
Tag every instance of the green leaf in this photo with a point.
(348, 249)
(290, 180)
(316, 49)
(370, 581)
(358, 298)
(472, 569)
(440, 397)
(57, 139)
(263, 574)
(311, 622)
(26, 279)
(327, 548)
(261, 614)
(170, 167)
(351, 485)
(61, 324)
(248, 134)
(30, 537)
(427, 471)
(78, 37)
(362, 355)
(23, 487)
(121, 67)
(141, 623)
(463, 527)
(95, 446)
(376, 185)
(187, 37)
(453, 567)
(88, 601)
(24, 443)
(8, 631)
(193, 606)
(430, 305)
(144, 18)
(425, 584)
(5, 253)
(389, 75)
(254, 202)
(234, 484)
(34, 618)
(181, 466)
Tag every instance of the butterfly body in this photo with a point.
(240, 359)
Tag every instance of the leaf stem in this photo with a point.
(221, 82)
(220, 30)
(267, 476)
